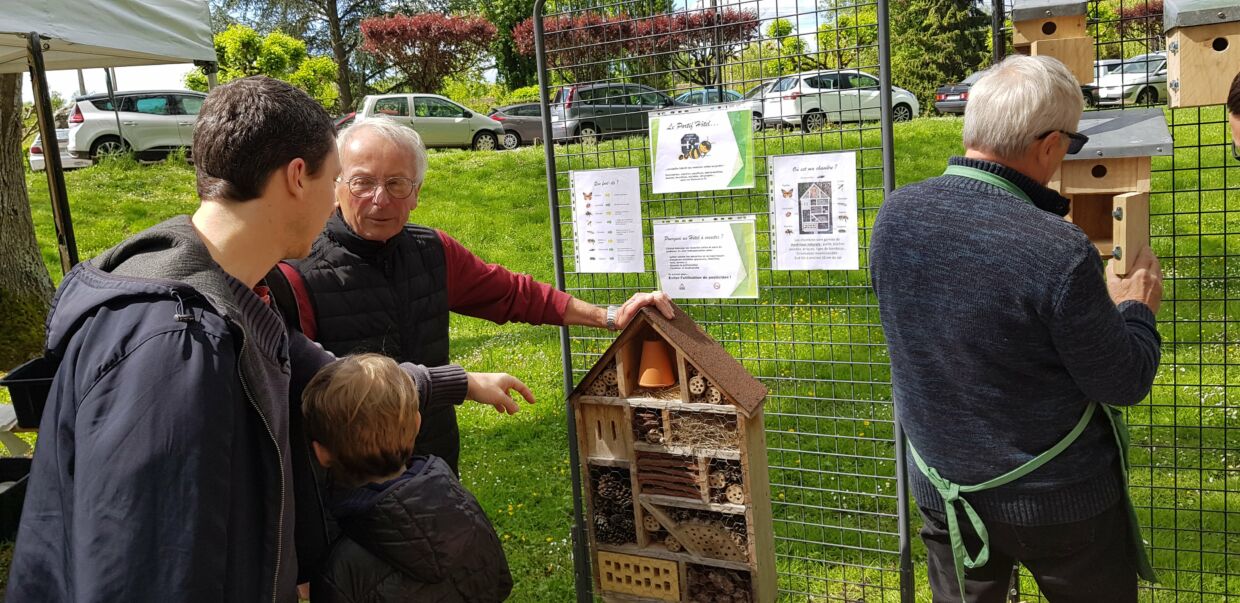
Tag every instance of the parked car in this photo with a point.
(708, 96)
(345, 120)
(38, 163)
(440, 122)
(756, 96)
(593, 111)
(1141, 80)
(812, 99)
(952, 98)
(522, 124)
(1103, 67)
(152, 123)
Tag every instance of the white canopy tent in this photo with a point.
(80, 34)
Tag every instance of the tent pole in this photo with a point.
(51, 155)
(116, 110)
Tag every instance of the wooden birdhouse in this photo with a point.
(1203, 50)
(1055, 28)
(670, 431)
(1108, 182)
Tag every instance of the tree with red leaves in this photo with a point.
(426, 48)
(708, 38)
(1142, 22)
(581, 46)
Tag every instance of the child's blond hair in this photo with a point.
(364, 410)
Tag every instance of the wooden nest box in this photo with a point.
(1203, 50)
(1108, 182)
(1057, 29)
(673, 459)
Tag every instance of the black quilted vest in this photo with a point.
(389, 298)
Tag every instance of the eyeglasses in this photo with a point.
(1076, 140)
(365, 187)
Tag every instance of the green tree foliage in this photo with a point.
(849, 39)
(242, 52)
(514, 68)
(936, 42)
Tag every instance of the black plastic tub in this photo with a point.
(29, 385)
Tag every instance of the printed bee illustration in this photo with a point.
(693, 147)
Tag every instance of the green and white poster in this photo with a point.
(707, 258)
(702, 149)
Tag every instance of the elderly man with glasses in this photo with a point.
(376, 283)
(1010, 345)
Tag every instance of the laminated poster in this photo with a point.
(814, 212)
(707, 258)
(607, 220)
(702, 150)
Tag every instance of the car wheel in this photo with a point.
(1147, 96)
(105, 146)
(758, 124)
(814, 121)
(485, 141)
(587, 134)
(511, 140)
(901, 112)
(1089, 100)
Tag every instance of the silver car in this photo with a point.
(522, 124)
(1142, 80)
(38, 162)
(439, 121)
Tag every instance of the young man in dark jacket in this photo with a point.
(167, 452)
(411, 532)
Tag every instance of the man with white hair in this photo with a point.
(375, 283)
(1010, 343)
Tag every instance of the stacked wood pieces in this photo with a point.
(701, 390)
(612, 507)
(717, 585)
(648, 425)
(669, 475)
(606, 383)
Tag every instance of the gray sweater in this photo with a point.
(1001, 331)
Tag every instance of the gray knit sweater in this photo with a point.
(1001, 331)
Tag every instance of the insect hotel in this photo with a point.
(674, 467)
(1108, 182)
(1203, 50)
(1055, 28)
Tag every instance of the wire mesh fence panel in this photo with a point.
(1185, 479)
(812, 337)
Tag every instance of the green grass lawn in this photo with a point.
(813, 338)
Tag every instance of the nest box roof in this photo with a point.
(1124, 133)
(1189, 13)
(701, 349)
(1028, 10)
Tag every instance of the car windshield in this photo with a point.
(785, 84)
(1142, 67)
(756, 90)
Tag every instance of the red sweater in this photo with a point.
(494, 293)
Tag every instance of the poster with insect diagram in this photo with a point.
(607, 220)
(702, 149)
(814, 212)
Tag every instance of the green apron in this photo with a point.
(951, 491)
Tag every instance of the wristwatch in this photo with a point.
(611, 317)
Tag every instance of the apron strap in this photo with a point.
(951, 491)
(988, 178)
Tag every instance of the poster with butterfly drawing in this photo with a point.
(814, 212)
(607, 220)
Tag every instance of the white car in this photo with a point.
(1142, 80)
(38, 162)
(152, 123)
(813, 99)
(440, 122)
